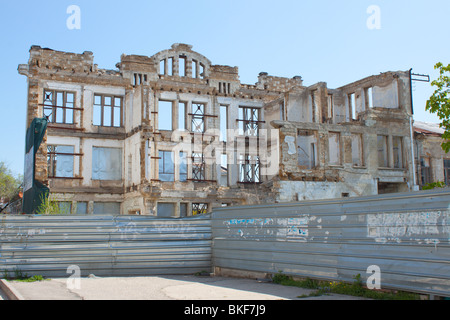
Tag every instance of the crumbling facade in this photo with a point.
(433, 163)
(174, 135)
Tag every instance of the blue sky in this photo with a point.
(325, 41)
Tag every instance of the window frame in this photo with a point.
(446, 171)
(250, 169)
(162, 154)
(102, 107)
(425, 171)
(52, 103)
(198, 117)
(250, 121)
(52, 160)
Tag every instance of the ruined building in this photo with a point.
(433, 163)
(174, 135)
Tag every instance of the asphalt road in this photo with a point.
(162, 288)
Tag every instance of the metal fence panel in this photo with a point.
(104, 245)
(406, 235)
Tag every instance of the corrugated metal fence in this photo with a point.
(104, 245)
(405, 235)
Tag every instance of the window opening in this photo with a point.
(357, 154)
(447, 172)
(382, 151)
(199, 209)
(249, 121)
(60, 161)
(59, 106)
(165, 115)
(182, 66)
(397, 150)
(223, 123)
(307, 149)
(166, 166)
(425, 169)
(249, 169)
(107, 111)
(198, 117)
(198, 167)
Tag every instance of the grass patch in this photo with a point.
(356, 288)
(22, 277)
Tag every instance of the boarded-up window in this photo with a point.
(382, 151)
(110, 208)
(82, 207)
(307, 148)
(397, 150)
(183, 209)
(357, 150)
(447, 172)
(334, 148)
(166, 210)
(106, 163)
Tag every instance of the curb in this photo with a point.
(10, 291)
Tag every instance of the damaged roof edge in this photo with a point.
(394, 74)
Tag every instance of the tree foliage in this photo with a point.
(439, 102)
(9, 184)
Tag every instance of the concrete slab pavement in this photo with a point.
(162, 288)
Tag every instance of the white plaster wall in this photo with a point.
(132, 147)
(387, 96)
(317, 190)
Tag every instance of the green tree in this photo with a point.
(9, 184)
(439, 102)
